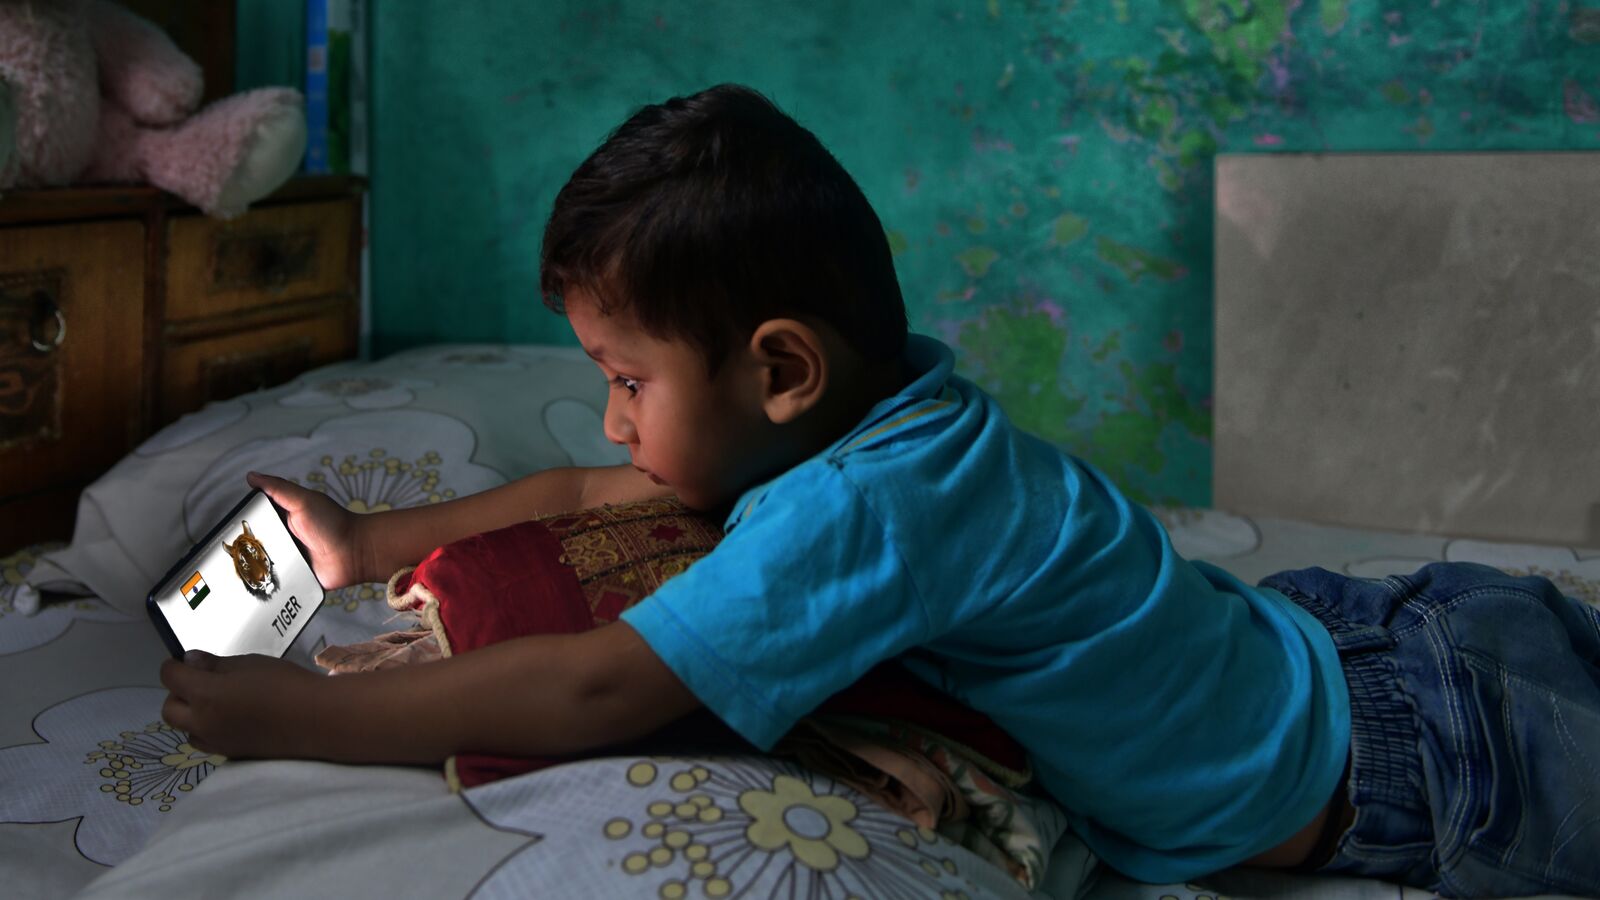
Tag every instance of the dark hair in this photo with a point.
(709, 214)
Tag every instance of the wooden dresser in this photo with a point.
(121, 310)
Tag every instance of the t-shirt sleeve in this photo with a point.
(802, 597)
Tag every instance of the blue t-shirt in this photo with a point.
(1186, 720)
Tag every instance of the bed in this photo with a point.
(81, 711)
(98, 798)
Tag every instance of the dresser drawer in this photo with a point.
(71, 351)
(272, 255)
(218, 368)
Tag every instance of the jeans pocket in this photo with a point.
(1527, 818)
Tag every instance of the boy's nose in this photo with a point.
(617, 427)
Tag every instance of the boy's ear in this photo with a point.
(793, 367)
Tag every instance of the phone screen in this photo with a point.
(247, 588)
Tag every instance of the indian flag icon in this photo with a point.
(195, 590)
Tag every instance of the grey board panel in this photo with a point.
(1411, 341)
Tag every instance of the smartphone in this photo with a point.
(246, 587)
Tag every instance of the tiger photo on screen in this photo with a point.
(252, 564)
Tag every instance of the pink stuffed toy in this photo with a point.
(90, 92)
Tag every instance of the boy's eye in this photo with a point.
(627, 384)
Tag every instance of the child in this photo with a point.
(733, 284)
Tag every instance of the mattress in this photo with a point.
(98, 798)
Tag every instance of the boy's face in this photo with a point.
(705, 437)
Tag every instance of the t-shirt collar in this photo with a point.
(931, 363)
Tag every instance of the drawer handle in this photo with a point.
(46, 306)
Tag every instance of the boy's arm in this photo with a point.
(541, 695)
(402, 537)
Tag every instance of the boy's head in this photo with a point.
(725, 272)
(706, 215)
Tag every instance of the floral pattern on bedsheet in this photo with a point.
(202, 423)
(25, 622)
(106, 758)
(614, 827)
(354, 391)
(423, 458)
(1208, 534)
(719, 827)
(367, 461)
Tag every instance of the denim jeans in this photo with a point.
(1475, 720)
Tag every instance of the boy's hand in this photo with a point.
(331, 534)
(241, 706)
(597, 688)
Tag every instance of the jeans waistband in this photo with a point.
(1392, 834)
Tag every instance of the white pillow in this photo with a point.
(421, 426)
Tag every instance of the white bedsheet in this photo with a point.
(90, 780)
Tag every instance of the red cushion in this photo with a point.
(501, 584)
(572, 572)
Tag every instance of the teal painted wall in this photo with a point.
(1043, 167)
(271, 46)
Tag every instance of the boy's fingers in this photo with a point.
(177, 713)
(173, 676)
(271, 485)
(181, 678)
(201, 660)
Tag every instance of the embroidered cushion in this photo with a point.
(570, 572)
(565, 573)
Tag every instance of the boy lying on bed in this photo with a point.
(733, 284)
